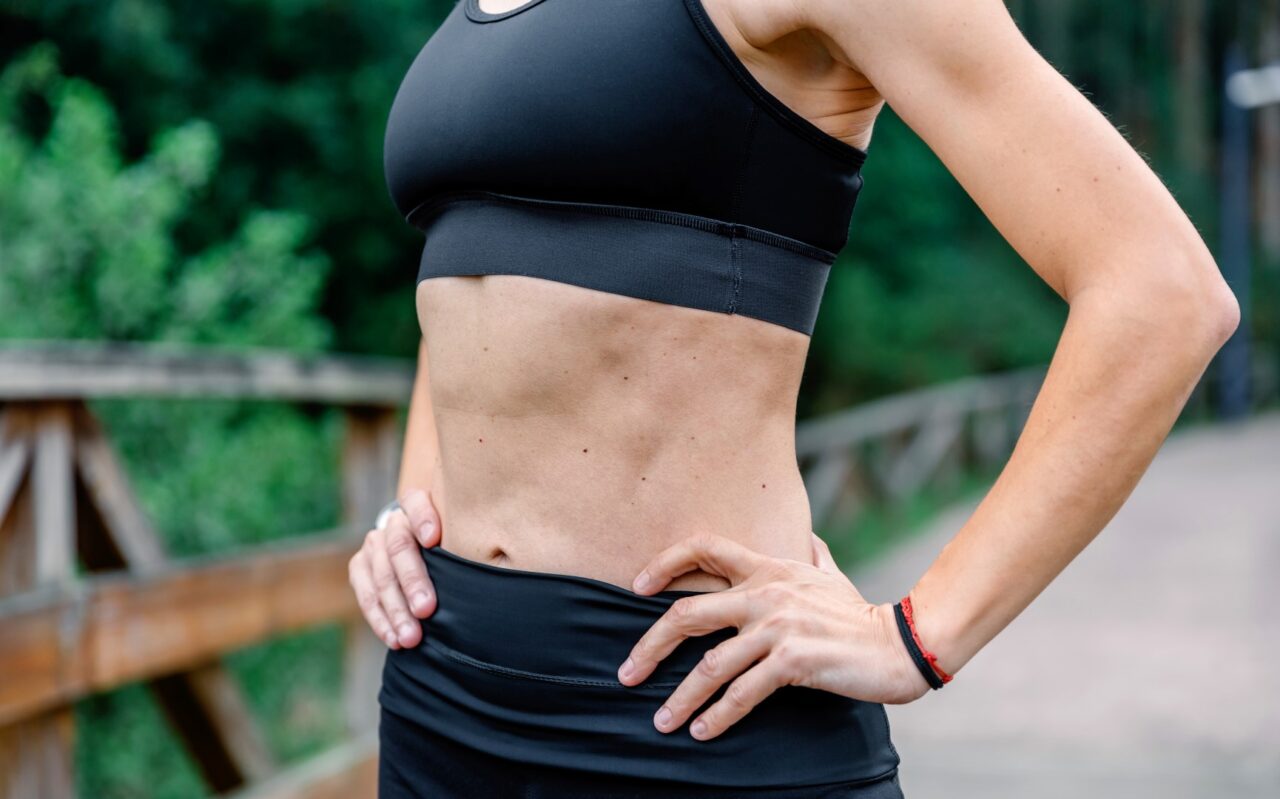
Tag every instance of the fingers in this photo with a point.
(424, 520)
(688, 616)
(822, 557)
(719, 664)
(360, 575)
(711, 553)
(742, 695)
(408, 631)
(409, 567)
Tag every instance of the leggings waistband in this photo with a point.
(523, 665)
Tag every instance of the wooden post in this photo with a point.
(370, 467)
(37, 549)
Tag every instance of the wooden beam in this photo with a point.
(62, 643)
(15, 455)
(43, 370)
(205, 707)
(348, 771)
(54, 494)
(36, 757)
(107, 487)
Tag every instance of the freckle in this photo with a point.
(584, 449)
(624, 377)
(644, 478)
(1095, 178)
(486, 349)
(762, 485)
(482, 441)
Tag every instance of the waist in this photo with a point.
(523, 665)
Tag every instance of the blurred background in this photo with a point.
(206, 306)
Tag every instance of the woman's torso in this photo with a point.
(582, 431)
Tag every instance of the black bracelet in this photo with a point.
(917, 657)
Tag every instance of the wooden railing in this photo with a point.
(135, 615)
(889, 449)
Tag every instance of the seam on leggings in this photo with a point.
(521, 674)
(888, 732)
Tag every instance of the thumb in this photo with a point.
(424, 519)
(822, 556)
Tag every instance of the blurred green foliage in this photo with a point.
(89, 248)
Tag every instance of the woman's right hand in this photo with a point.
(388, 574)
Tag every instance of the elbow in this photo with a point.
(1201, 308)
(1224, 316)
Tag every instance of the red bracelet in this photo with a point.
(915, 636)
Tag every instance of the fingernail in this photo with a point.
(628, 666)
(405, 631)
(390, 638)
(663, 717)
(425, 529)
(642, 581)
(419, 602)
(699, 728)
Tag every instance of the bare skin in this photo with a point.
(588, 433)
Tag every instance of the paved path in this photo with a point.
(1149, 668)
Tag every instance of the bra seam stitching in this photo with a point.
(422, 211)
(735, 211)
(820, 139)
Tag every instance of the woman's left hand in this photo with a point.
(798, 624)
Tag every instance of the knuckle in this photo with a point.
(785, 569)
(736, 696)
(683, 609)
(385, 581)
(399, 541)
(414, 583)
(704, 540)
(786, 658)
(711, 663)
(775, 592)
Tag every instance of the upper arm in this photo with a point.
(1053, 175)
(420, 455)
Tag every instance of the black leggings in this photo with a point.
(513, 693)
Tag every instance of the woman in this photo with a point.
(603, 581)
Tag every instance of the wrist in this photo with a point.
(937, 629)
(903, 671)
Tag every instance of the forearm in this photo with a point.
(1125, 365)
(420, 460)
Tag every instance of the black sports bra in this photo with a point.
(622, 146)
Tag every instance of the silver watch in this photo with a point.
(384, 515)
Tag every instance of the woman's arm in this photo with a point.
(420, 460)
(388, 574)
(1148, 310)
(1148, 306)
